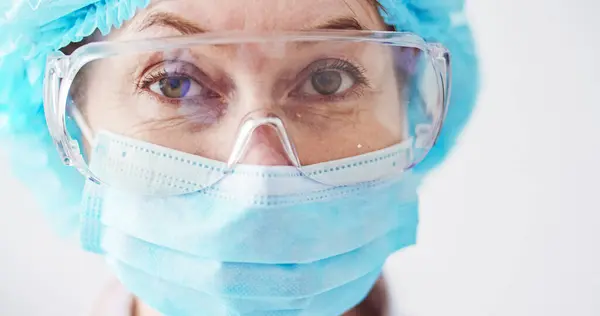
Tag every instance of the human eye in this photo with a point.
(176, 87)
(174, 82)
(330, 80)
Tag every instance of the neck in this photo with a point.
(375, 304)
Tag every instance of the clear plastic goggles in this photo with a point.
(291, 99)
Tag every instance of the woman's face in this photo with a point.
(336, 99)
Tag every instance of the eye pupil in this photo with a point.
(327, 82)
(175, 87)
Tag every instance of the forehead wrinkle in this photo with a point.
(349, 7)
(156, 3)
(260, 15)
(156, 6)
(370, 9)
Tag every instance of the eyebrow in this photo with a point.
(341, 23)
(170, 20)
(186, 27)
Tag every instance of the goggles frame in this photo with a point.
(62, 69)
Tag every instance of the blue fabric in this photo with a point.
(29, 32)
(33, 28)
(263, 240)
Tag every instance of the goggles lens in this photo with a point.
(272, 102)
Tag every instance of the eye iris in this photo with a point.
(327, 82)
(175, 87)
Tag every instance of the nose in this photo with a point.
(265, 148)
(263, 141)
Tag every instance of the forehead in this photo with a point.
(253, 15)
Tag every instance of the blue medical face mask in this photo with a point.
(264, 240)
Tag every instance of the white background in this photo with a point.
(510, 225)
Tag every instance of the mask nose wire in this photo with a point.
(249, 125)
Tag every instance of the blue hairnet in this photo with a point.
(33, 28)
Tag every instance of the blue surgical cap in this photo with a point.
(31, 29)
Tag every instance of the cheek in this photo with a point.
(112, 102)
(105, 111)
(383, 126)
(373, 128)
(390, 112)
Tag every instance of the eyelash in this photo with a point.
(152, 78)
(345, 65)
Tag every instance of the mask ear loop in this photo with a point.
(86, 131)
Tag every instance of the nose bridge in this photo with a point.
(255, 57)
(255, 73)
(252, 123)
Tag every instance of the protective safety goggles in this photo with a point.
(298, 99)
